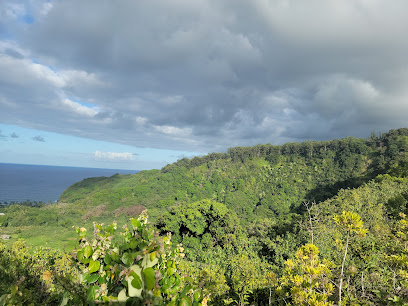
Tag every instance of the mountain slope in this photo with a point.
(260, 181)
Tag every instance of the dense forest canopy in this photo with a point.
(312, 223)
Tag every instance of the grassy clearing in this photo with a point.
(42, 236)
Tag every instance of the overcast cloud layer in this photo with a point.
(204, 75)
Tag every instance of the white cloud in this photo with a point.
(14, 10)
(172, 130)
(80, 109)
(79, 77)
(112, 156)
(45, 8)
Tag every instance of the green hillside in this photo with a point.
(264, 181)
(257, 224)
(256, 182)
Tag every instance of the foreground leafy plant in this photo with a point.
(136, 266)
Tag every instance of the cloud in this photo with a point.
(112, 156)
(14, 135)
(204, 75)
(80, 109)
(39, 139)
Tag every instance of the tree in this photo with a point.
(306, 278)
(350, 222)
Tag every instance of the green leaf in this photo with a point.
(136, 224)
(110, 229)
(92, 278)
(80, 255)
(90, 294)
(88, 251)
(102, 279)
(185, 290)
(177, 281)
(197, 296)
(85, 276)
(132, 286)
(107, 259)
(14, 289)
(115, 256)
(136, 282)
(149, 278)
(133, 244)
(85, 261)
(94, 266)
(127, 258)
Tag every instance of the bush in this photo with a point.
(135, 266)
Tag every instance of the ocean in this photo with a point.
(20, 183)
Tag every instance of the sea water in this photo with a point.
(20, 182)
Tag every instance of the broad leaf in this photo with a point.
(88, 251)
(107, 259)
(115, 256)
(133, 244)
(92, 278)
(133, 281)
(136, 224)
(136, 282)
(149, 278)
(127, 259)
(80, 255)
(90, 295)
(94, 266)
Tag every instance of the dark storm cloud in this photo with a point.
(14, 135)
(205, 75)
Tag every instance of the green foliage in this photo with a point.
(264, 181)
(351, 222)
(204, 222)
(39, 276)
(399, 262)
(246, 274)
(137, 266)
(241, 220)
(369, 277)
(306, 279)
(213, 276)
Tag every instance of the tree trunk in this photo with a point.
(342, 267)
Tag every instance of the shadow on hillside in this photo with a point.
(324, 192)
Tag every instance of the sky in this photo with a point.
(139, 84)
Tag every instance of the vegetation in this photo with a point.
(315, 223)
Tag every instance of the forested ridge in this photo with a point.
(312, 223)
